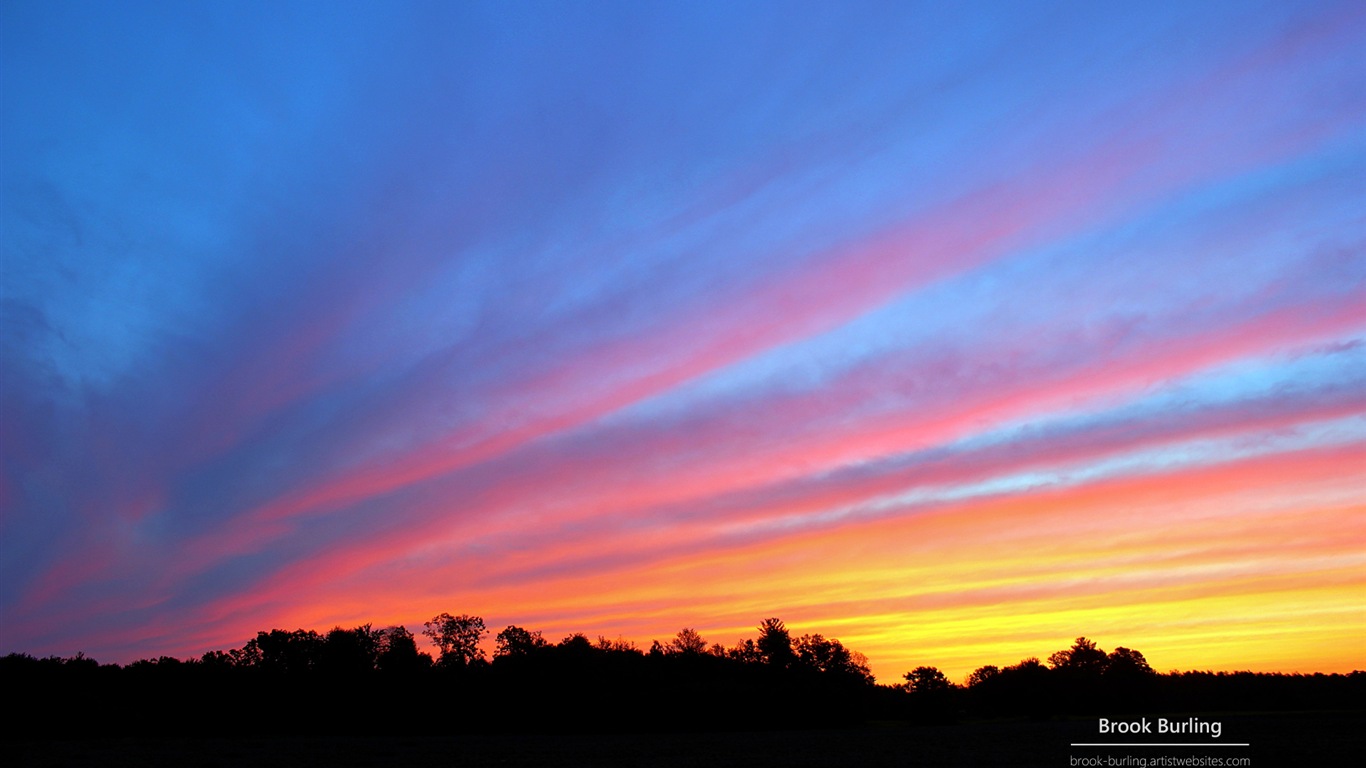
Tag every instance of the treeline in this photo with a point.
(1085, 680)
(378, 681)
(367, 680)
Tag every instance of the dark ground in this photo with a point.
(1296, 739)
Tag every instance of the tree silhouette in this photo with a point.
(775, 643)
(745, 652)
(927, 681)
(1028, 674)
(687, 641)
(1126, 662)
(515, 641)
(282, 652)
(983, 674)
(217, 660)
(577, 643)
(830, 656)
(1082, 658)
(398, 652)
(349, 651)
(457, 637)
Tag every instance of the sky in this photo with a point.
(951, 330)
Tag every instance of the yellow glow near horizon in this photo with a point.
(1212, 568)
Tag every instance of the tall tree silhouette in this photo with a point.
(775, 643)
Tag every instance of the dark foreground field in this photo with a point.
(1297, 739)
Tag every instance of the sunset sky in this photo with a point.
(951, 330)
